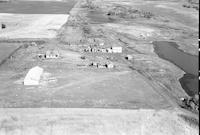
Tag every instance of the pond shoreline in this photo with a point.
(37, 7)
(189, 81)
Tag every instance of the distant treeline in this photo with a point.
(4, 1)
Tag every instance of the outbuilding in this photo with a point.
(129, 57)
(3, 26)
(116, 49)
(110, 65)
(108, 50)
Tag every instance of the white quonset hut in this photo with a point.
(117, 49)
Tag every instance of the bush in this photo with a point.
(190, 120)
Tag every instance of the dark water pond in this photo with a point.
(187, 62)
(190, 84)
(36, 7)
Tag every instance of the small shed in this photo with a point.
(108, 50)
(3, 26)
(129, 57)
